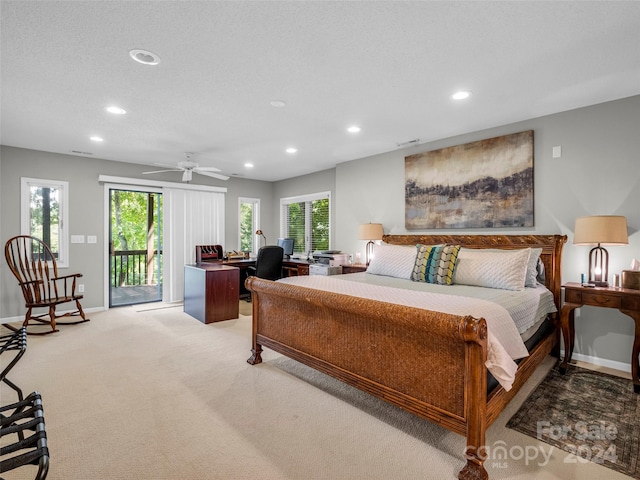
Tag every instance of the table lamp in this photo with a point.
(371, 232)
(600, 230)
(259, 232)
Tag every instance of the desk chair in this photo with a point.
(268, 264)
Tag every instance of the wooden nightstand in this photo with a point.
(354, 268)
(624, 299)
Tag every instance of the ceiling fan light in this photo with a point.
(187, 175)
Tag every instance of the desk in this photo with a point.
(211, 292)
(624, 299)
(291, 267)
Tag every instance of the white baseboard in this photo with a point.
(20, 318)
(601, 362)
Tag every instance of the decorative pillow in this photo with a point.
(503, 269)
(541, 277)
(435, 264)
(392, 260)
(532, 268)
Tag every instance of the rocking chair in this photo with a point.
(33, 264)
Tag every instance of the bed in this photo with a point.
(430, 363)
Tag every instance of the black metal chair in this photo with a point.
(268, 264)
(16, 419)
(15, 343)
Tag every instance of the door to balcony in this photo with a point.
(135, 260)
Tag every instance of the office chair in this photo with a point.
(268, 264)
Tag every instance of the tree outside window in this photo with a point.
(306, 219)
(44, 214)
(249, 222)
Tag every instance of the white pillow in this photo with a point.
(503, 269)
(393, 260)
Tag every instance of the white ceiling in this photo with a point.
(388, 66)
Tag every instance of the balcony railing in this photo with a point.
(134, 267)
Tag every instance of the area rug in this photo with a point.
(591, 415)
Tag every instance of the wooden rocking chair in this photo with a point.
(33, 264)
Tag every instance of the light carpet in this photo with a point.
(158, 395)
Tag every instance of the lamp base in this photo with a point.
(600, 284)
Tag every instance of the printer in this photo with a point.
(328, 262)
(331, 258)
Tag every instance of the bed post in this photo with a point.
(474, 333)
(256, 350)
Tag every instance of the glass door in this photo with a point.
(135, 247)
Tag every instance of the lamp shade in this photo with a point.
(370, 231)
(601, 229)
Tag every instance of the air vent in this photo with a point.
(78, 152)
(415, 141)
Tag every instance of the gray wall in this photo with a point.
(599, 173)
(86, 211)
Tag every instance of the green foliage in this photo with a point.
(135, 221)
(319, 212)
(320, 224)
(246, 227)
(45, 219)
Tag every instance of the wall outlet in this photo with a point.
(81, 288)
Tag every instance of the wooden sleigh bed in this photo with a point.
(429, 363)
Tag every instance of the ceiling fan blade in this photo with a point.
(162, 171)
(207, 169)
(167, 165)
(214, 175)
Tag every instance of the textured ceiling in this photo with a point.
(388, 66)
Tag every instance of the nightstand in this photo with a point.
(354, 268)
(624, 299)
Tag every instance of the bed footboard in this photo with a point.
(429, 363)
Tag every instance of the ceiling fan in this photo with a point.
(187, 167)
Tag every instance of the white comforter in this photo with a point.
(504, 342)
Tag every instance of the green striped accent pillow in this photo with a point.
(435, 264)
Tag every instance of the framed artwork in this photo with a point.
(484, 184)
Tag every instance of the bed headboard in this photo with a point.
(551, 246)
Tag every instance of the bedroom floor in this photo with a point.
(158, 395)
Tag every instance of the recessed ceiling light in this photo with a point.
(278, 103)
(291, 150)
(248, 165)
(353, 129)
(461, 95)
(115, 110)
(144, 56)
(96, 139)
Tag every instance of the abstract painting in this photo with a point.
(483, 184)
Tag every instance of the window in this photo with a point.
(44, 214)
(249, 222)
(307, 220)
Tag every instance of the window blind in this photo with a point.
(307, 219)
